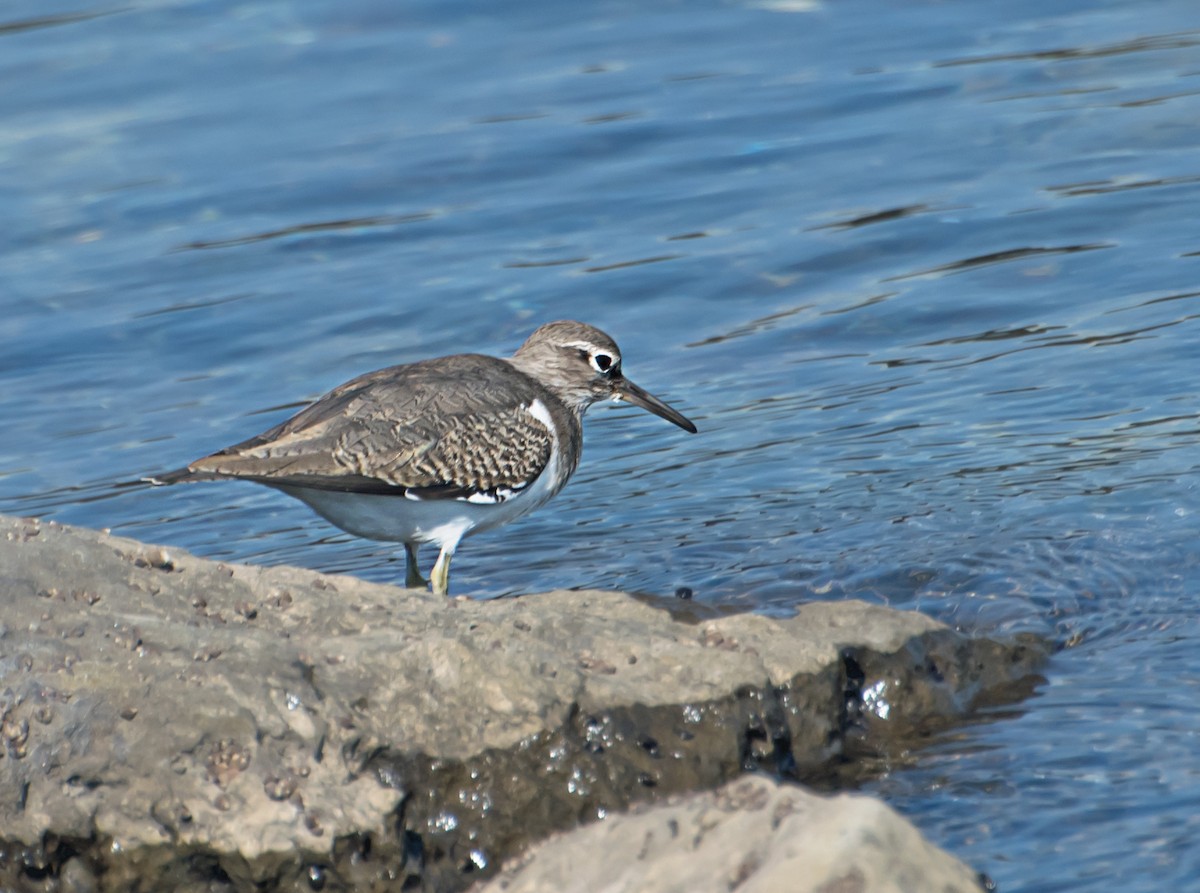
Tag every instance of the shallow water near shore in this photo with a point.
(926, 278)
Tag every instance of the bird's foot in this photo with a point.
(412, 571)
(440, 575)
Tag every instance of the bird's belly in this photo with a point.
(400, 519)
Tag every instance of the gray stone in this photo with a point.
(216, 726)
(753, 835)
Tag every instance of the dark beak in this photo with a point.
(624, 389)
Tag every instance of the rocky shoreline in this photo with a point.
(172, 723)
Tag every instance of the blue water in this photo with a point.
(926, 275)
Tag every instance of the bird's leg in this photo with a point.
(412, 570)
(440, 575)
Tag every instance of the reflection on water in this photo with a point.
(50, 21)
(1106, 186)
(1151, 43)
(996, 257)
(917, 272)
(877, 217)
(305, 229)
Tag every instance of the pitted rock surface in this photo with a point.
(164, 715)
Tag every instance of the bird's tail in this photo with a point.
(180, 476)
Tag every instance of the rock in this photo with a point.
(205, 725)
(752, 835)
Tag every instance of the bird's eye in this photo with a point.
(603, 362)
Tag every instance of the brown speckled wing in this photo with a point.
(454, 427)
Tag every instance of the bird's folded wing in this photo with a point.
(383, 434)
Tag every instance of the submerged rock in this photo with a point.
(172, 723)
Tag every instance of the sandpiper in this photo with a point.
(432, 451)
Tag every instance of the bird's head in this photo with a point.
(582, 365)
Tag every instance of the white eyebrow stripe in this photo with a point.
(594, 351)
(589, 347)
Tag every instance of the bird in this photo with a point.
(439, 449)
